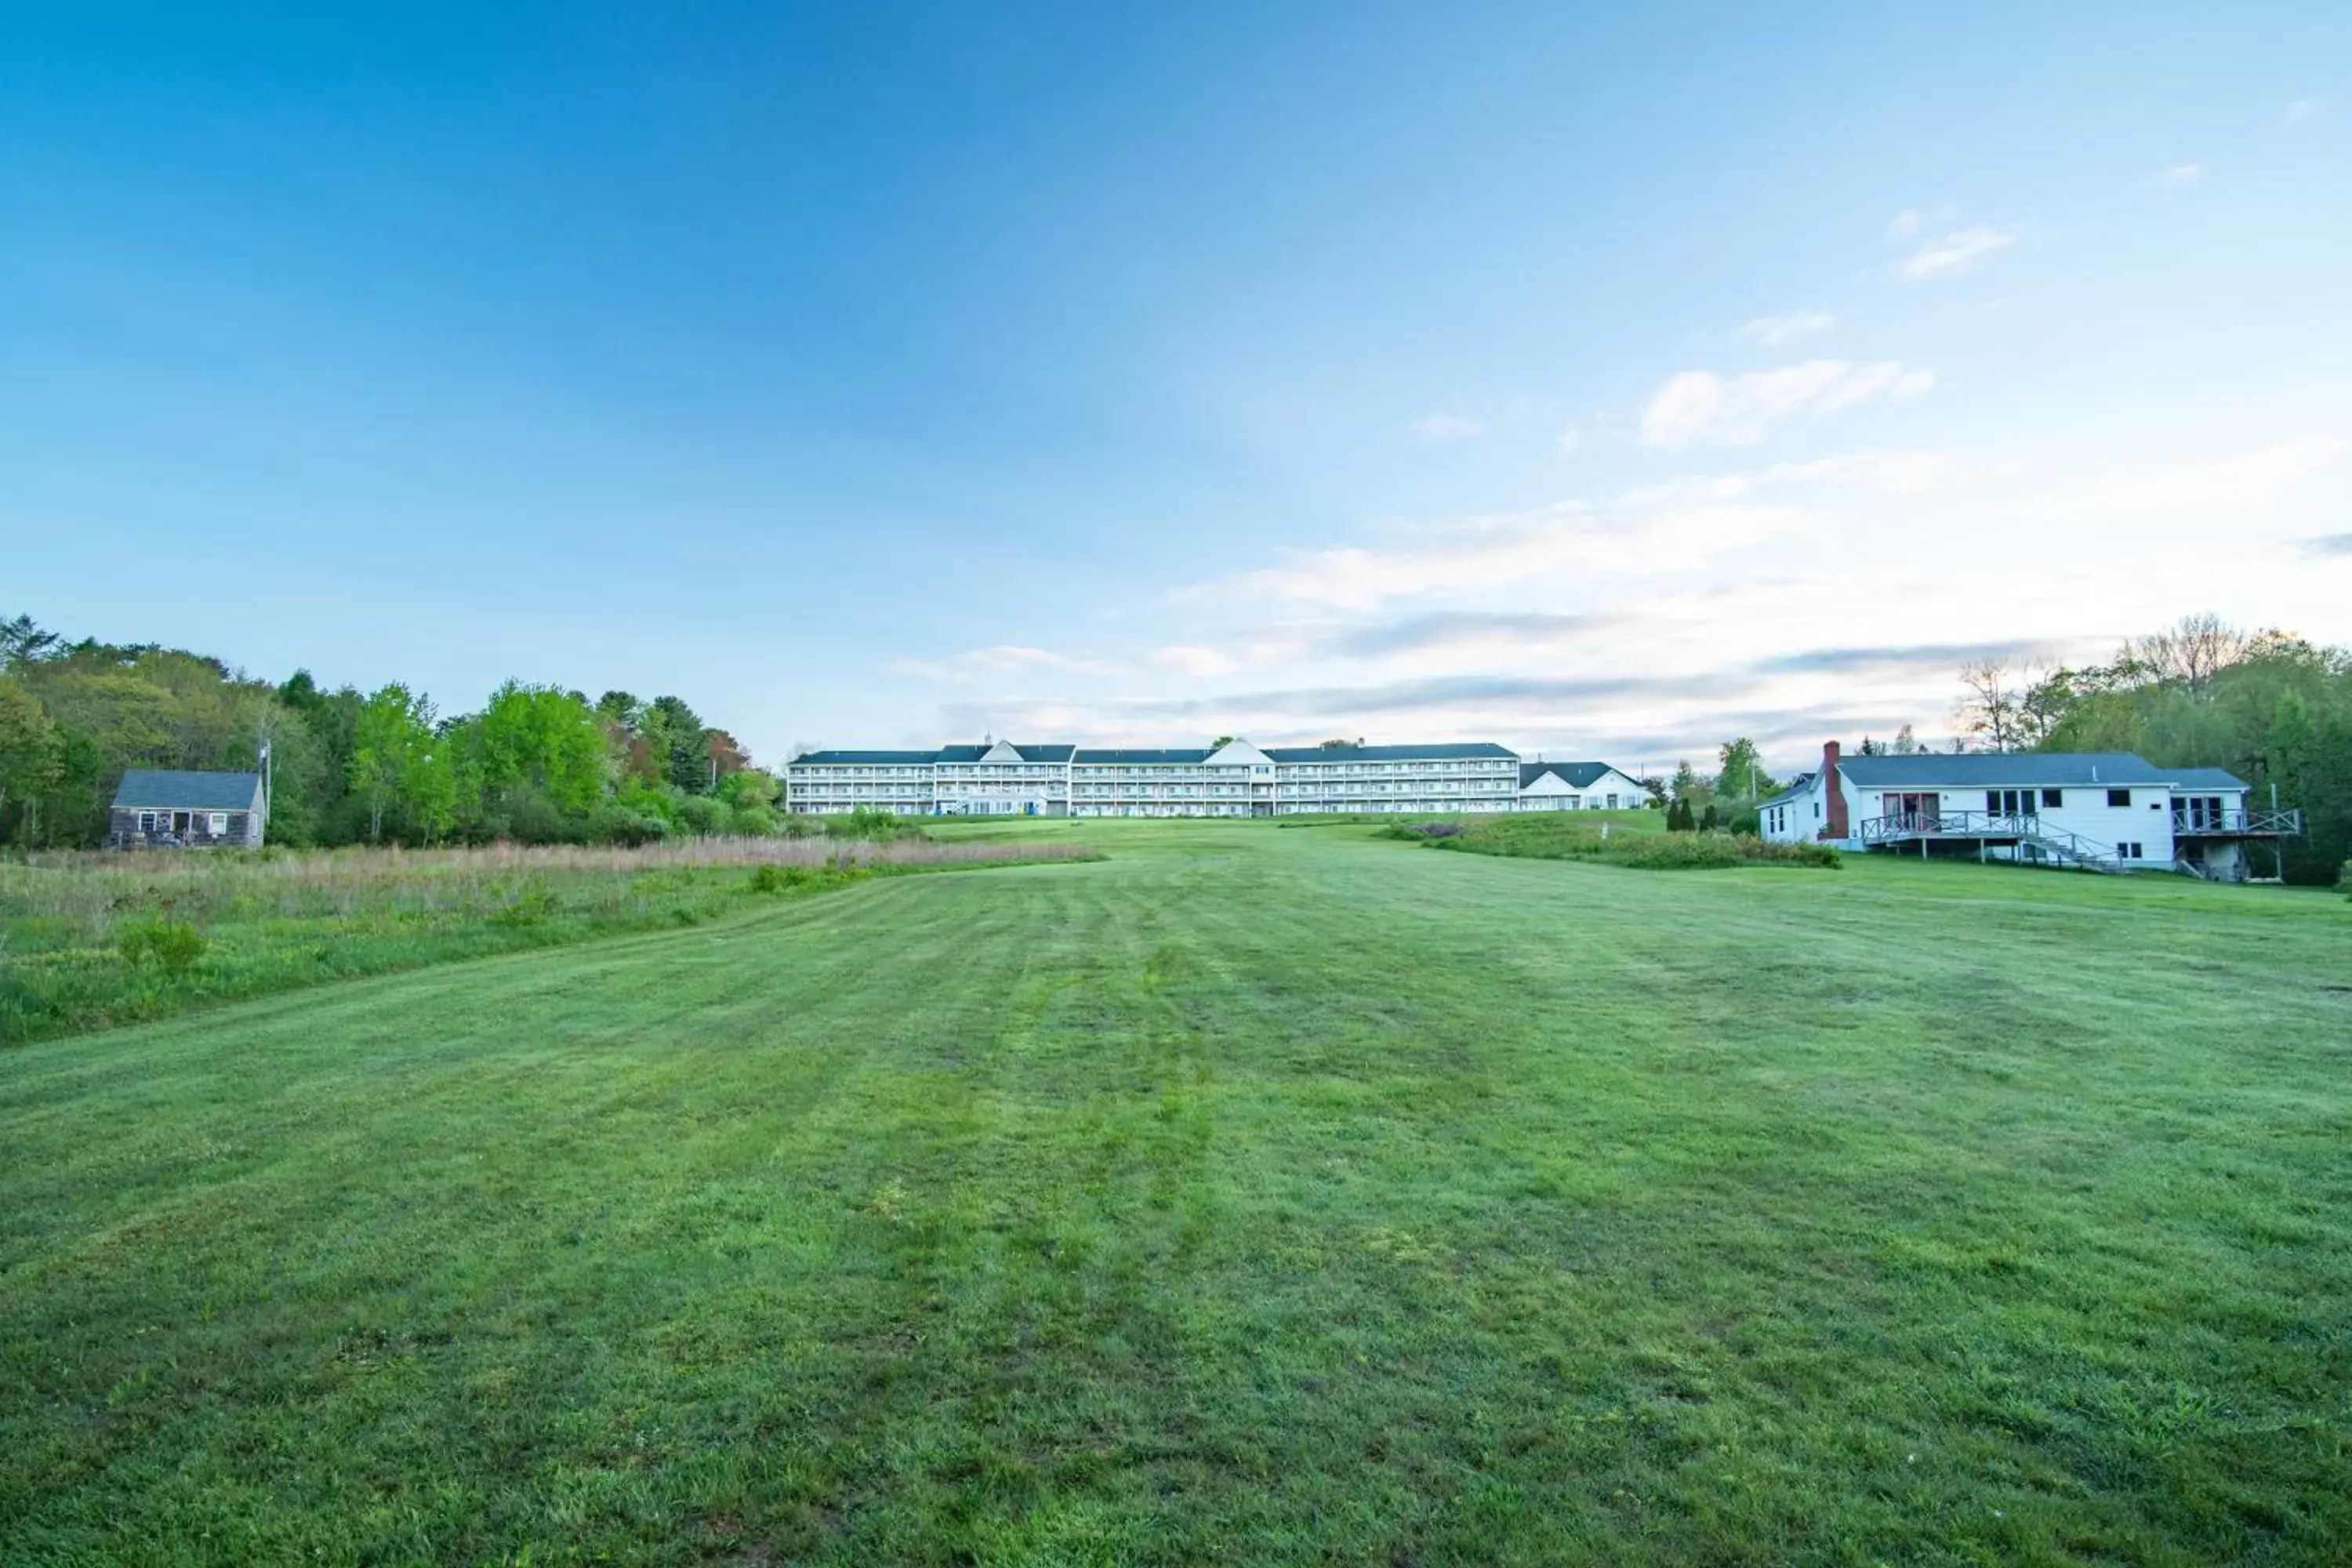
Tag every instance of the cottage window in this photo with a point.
(2053, 798)
(2119, 797)
(146, 822)
(220, 822)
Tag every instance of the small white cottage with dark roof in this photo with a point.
(175, 808)
(1578, 787)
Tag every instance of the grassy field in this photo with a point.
(91, 940)
(1250, 1195)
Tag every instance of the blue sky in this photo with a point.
(1602, 383)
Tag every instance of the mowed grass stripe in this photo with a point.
(1264, 1194)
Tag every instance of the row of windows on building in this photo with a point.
(215, 823)
(1087, 790)
(1002, 770)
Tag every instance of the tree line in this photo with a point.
(537, 763)
(2270, 707)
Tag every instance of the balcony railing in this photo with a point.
(2234, 824)
(1949, 824)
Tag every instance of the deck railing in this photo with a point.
(2234, 824)
(1949, 824)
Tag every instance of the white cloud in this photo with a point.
(1439, 428)
(1179, 658)
(1003, 659)
(1511, 552)
(2218, 488)
(2302, 109)
(2173, 178)
(1772, 330)
(1571, 440)
(1960, 251)
(1699, 406)
(1897, 472)
(1905, 223)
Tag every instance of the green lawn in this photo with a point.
(1251, 1195)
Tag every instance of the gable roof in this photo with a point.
(1447, 751)
(1576, 774)
(188, 790)
(1965, 769)
(1237, 753)
(2206, 778)
(1802, 785)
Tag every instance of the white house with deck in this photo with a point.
(2108, 811)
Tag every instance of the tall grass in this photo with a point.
(77, 928)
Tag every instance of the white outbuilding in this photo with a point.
(1578, 787)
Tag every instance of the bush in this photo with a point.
(529, 908)
(174, 944)
(1707, 852)
(703, 817)
(780, 879)
(1422, 831)
(1570, 836)
(753, 822)
(870, 822)
(614, 822)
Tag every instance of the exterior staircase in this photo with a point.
(2069, 849)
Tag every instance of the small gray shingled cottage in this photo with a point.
(166, 808)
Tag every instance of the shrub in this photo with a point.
(174, 944)
(614, 822)
(1569, 836)
(870, 822)
(702, 815)
(527, 909)
(753, 822)
(779, 878)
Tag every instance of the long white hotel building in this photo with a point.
(1236, 779)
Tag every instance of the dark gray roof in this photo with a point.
(1447, 751)
(1028, 753)
(1142, 754)
(2207, 778)
(1576, 775)
(868, 758)
(1978, 769)
(183, 790)
(1802, 782)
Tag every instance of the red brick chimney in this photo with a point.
(1836, 827)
